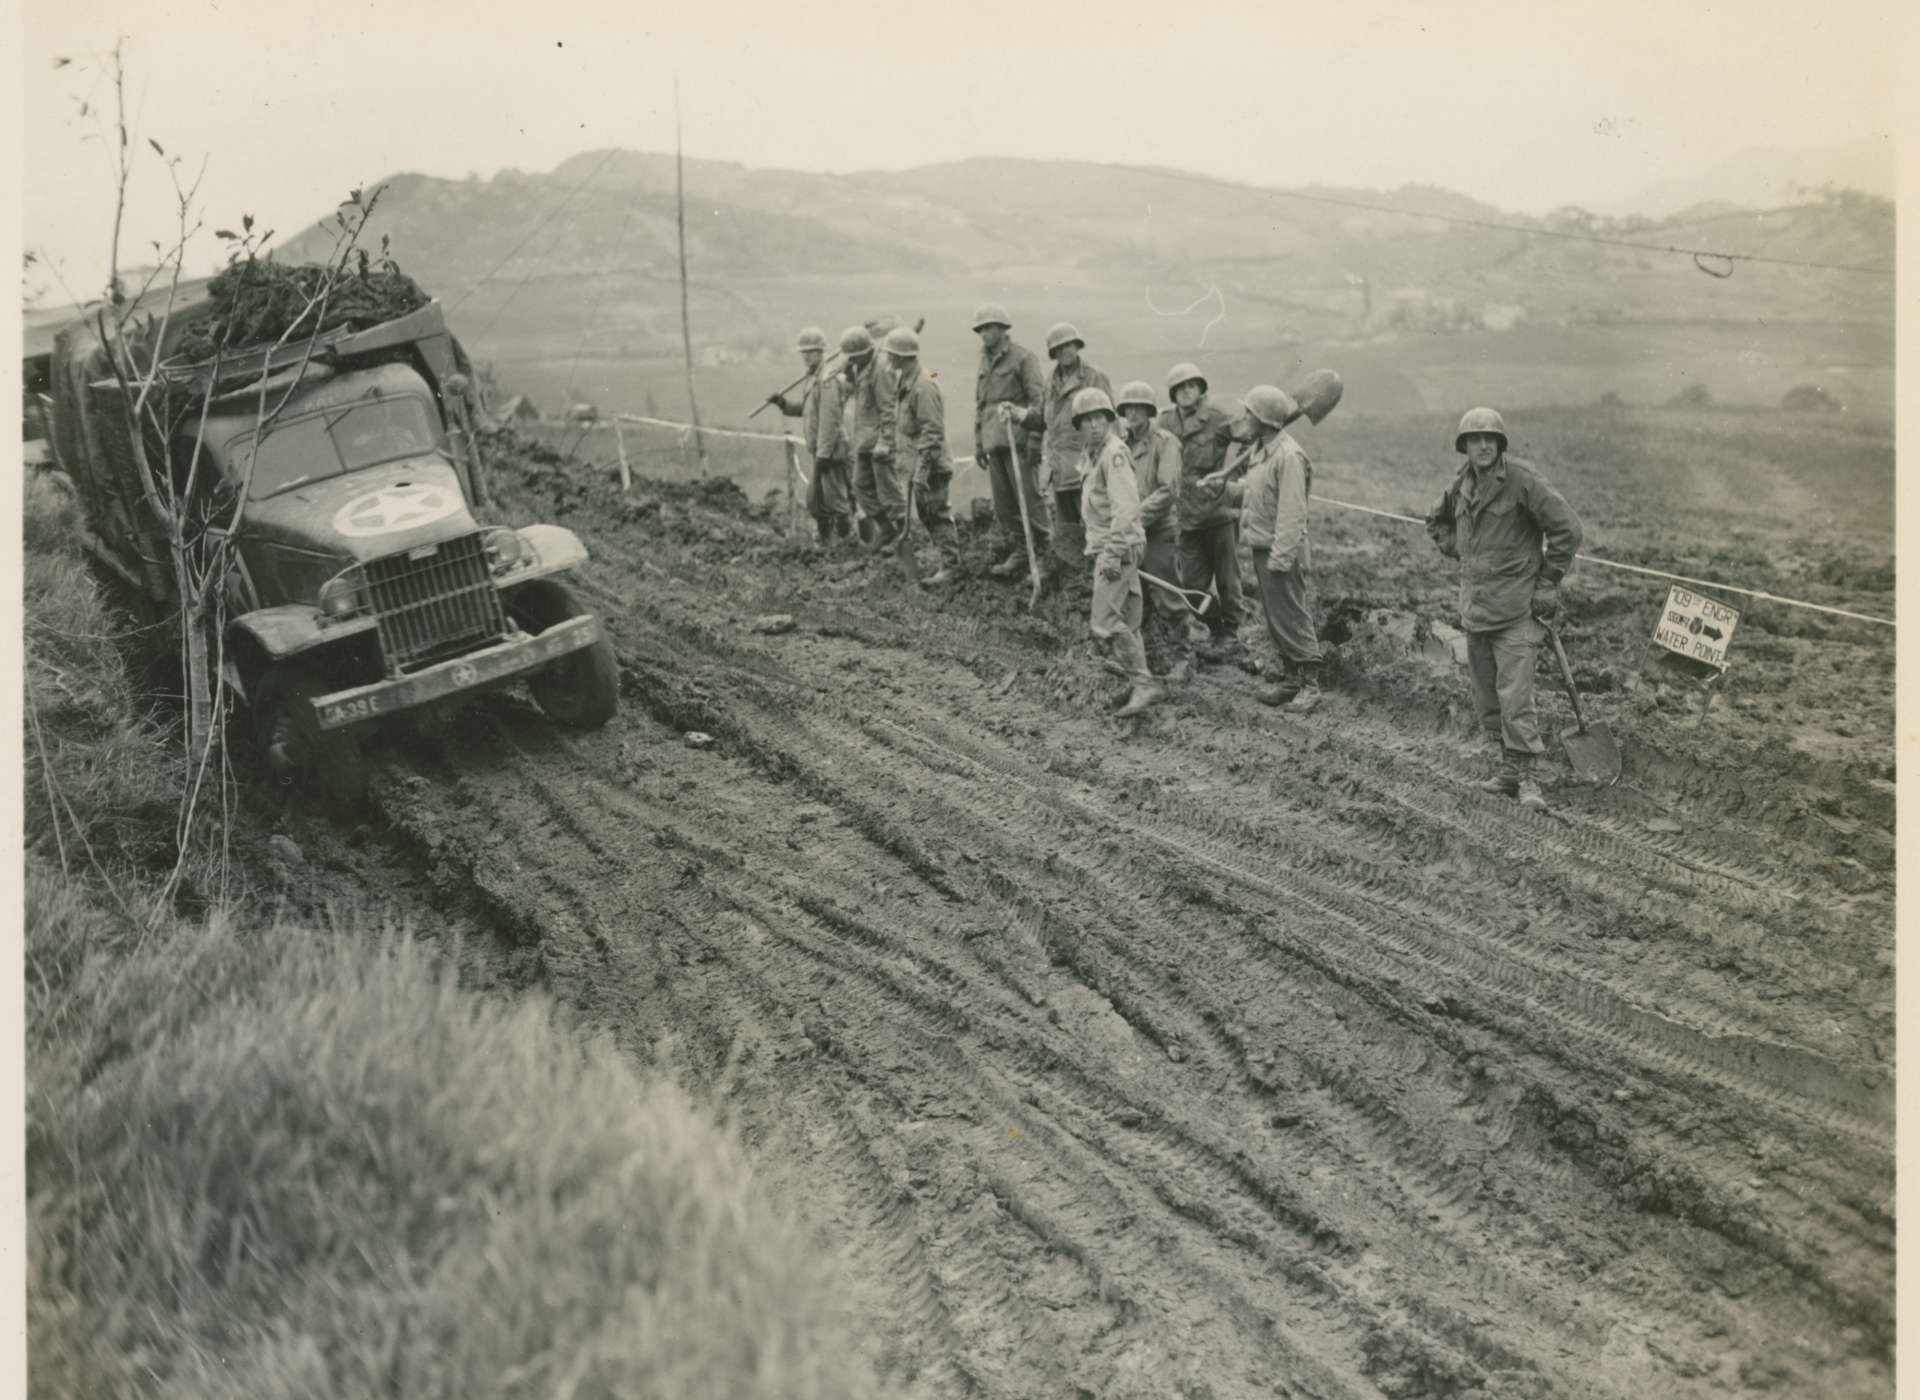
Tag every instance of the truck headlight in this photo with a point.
(507, 551)
(341, 598)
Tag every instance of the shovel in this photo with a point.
(1185, 595)
(1590, 748)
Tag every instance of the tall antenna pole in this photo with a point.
(686, 323)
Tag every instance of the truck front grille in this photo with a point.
(431, 607)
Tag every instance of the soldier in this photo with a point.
(1157, 473)
(869, 391)
(920, 444)
(1515, 537)
(1209, 546)
(1007, 386)
(1110, 515)
(1273, 516)
(829, 500)
(1064, 453)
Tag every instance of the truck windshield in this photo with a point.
(334, 441)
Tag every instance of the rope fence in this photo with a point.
(1760, 594)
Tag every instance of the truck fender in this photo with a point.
(556, 549)
(293, 628)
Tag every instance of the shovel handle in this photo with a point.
(1566, 674)
(1183, 594)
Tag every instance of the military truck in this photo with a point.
(361, 585)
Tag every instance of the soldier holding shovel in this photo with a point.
(1515, 537)
(829, 498)
(1007, 385)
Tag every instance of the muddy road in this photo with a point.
(1221, 1055)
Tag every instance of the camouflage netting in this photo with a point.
(254, 302)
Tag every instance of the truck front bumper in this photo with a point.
(473, 671)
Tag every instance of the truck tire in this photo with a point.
(297, 753)
(580, 690)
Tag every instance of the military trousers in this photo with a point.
(876, 486)
(1283, 601)
(1500, 662)
(1166, 618)
(931, 490)
(1069, 531)
(830, 497)
(1210, 557)
(1006, 500)
(1115, 618)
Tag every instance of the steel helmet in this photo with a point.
(1274, 407)
(1139, 394)
(1480, 420)
(1183, 373)
(992, 314)
(1090, 400)
(903, 342)
(812, 338)
(854, 340)
(1062, 333)
(880, 325)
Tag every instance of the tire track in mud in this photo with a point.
(776, 908)
(802, 746)
(1258, 1067)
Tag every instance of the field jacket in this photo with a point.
(1273, 508)
(920, 426)
(1510, 530)
(1204, 436)
(1156, 471)
(819, 412)
(870, 390)
(1063, 455)
(1010, 377)
(1110, 504)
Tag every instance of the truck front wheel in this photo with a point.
(297, 751)
(582, 689)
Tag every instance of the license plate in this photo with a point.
(348, 710)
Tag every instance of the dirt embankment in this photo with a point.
(1224, 1055)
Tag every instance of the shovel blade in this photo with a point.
(1593, 754)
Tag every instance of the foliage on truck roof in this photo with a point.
(254, 301)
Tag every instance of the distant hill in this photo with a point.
(577, 266)
(1766, 178)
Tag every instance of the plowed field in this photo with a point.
(1222, 1054)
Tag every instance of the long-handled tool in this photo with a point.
(1026, 521)
(1590, 748)
(819, 369)
(1185, 595)
(1317, 395)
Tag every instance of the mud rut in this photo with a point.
(1236, 1057)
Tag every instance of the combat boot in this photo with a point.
(940, 573)
(1009, 566)
(1307, 698)
(1284, 687)
(1505, 781)
(1530, 795)
(866, 529)
(1145, 693)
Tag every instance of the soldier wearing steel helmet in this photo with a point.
(1273, 517)
(1115, 540)
(1063, 453)
(1157, 474)
(869, 389)
(1515, 537)
(920, 444)
(829, 494)
(1209, 541)
(1007, 385)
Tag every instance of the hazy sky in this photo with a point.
(1525, 103)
